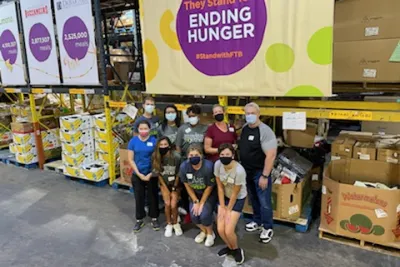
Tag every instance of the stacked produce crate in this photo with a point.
(5, 120)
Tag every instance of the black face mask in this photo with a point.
(163, 150)
(226, 160)
(194, 160)
(219, 117)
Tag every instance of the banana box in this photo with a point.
(76, 136)
(78, 148)
(101, 134)
(102, 146)
(120, 118)
(78, 159)
(103, 156)
(51, 135)
(25, 149)
(12, 148)
(72, 171)
(20, 110)
(49, 145)
(76, 122)
(5, 136)
(97, 171)
(26, 158)
(24, 138)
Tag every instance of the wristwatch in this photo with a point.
(265, 176)
(196, 201)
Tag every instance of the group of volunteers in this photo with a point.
(196, 167)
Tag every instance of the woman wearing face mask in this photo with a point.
(140, 150)
(197, 175)
(171, 123)
(231, 182)
(166, 163)
(218, 133)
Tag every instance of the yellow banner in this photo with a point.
(238, 47)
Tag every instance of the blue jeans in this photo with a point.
(260, 200)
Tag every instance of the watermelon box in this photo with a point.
(363, 213)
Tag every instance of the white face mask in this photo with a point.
(149, 108)
(193, 120)
(170, 116)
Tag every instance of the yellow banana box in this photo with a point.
(26, 158)
(97, 171)
(102, 146)
(25, 148)
(101, 134)
(76, 136)
(13, 148)
(51, 135)
(76, 122)
(103, 156)
(72, 171)
(78, 159)
(78, 148)
(24, 138)
(100, 120)
(49, 145)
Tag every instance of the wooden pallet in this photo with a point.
(13, 161)
(119, 184)
(392, 249)
(5, 155)
(55, 166)
(88, 182)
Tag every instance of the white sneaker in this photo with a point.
(266, 235)
(168, 230)
(200, 237)
(182, 211)
(179, 219)
(252, 227)
(210, 240)
(177, 229)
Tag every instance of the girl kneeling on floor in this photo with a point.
(231, 182)
(166, 163)
(196, 173)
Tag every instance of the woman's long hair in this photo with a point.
(177, 120)
(157, 158)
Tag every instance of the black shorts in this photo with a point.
(239, 204)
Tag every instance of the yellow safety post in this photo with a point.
(72, 102)
(84, 103)
(21, 98)
(37, 133)
(109, 133)
(223, 101)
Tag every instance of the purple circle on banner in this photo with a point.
(8, 47)
(76, 38)
(221, 37)
(40, 42)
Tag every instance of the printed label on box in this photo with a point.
(365, 156)
(380, 213)
(324, 189)
(369, 73)
(371, 31)
(293, 209)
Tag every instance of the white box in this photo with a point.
(48, 145)
(103, 156)
(76, 122)
(72, 171)
(102, 146)
(25, 149)
(76, 136)
(26, 158)
(121, 118)
(101, 134)
(97, 171)
(24, 138)
(78, 147)
(78, 159)
(51, 135)
(13, 148)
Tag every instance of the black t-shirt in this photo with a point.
(253, 144)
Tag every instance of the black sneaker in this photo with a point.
(138, 226)
(155, 224)
(239, 256)
(223, 252)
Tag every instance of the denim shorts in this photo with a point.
(239, 204)
(206, 217)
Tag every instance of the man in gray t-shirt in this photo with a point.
(236, 176)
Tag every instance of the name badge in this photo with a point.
(188, 130)
(231, 129)
(171, 178)
(189, 176)
(149, 144)
(251, 137)
(231, 180)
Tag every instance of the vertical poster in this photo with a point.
(12, 70)
(76, 40)
(40, 43)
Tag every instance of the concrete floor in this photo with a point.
(47, 220)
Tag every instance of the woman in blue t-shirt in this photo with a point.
(141, 148)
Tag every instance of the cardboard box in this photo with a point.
(5, 136)
(342, 148)
(22, 127)
(101, 135)
(78, 159)
(5, 120)
(78, 148)
(304, 139)
(26, 158)
(362, 213)
(73, 171)
(51, 135)
(13, 148)
(120, 118)
(126, 170)
(24, 138)
(361, 61)
(26, 148)
(366, 20)
(97, 171)
(76, 122)
(48, 145)
(76, 136)
(54, 153)
(364, 150)
(389, 151)
(123, 69)
(101, 146)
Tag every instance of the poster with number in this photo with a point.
(238, 47)
(76, 39)
(12, 69)
(40, 43)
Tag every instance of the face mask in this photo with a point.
(149, 109)
(195, 160)
(163, 150)
(251, 119)
(226, 160)
(144, 133)
(219, 117)
(170, 116)
(193, 120)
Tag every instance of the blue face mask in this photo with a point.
(170, 116)
(195, 160)
(251, 119)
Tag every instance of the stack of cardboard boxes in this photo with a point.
(78, 149)
(366, 41)
(5, 120)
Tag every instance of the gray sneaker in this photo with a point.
(155, 224)
(138, 226)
